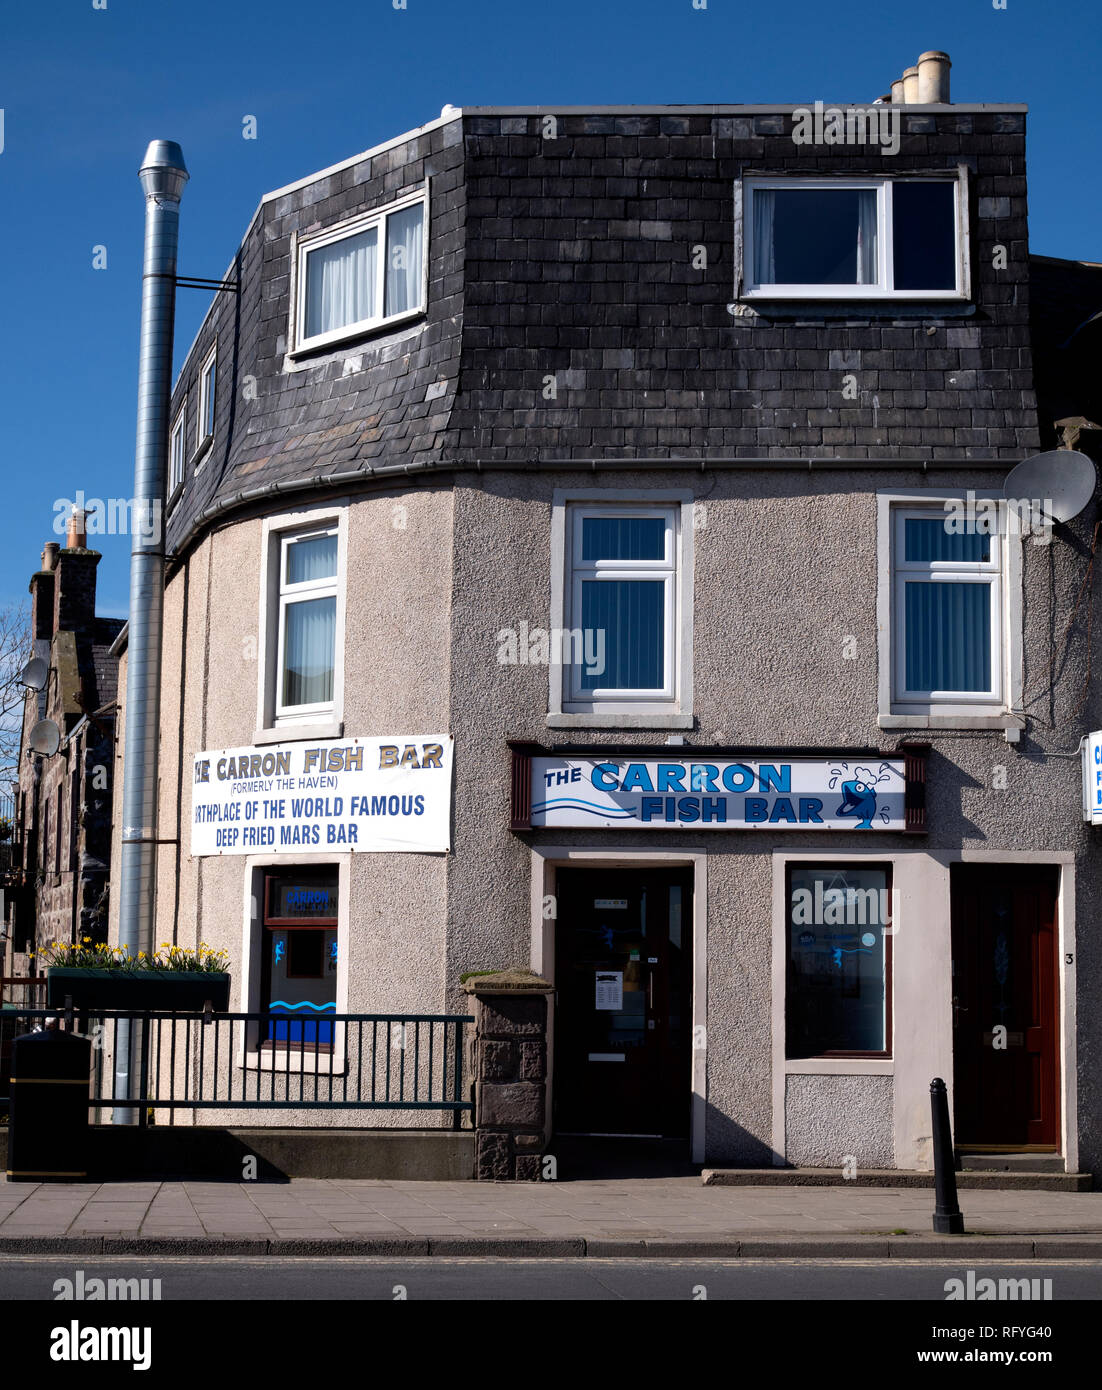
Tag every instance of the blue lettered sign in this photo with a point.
(719, 794)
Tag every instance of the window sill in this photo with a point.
(991, 721)
(201, 451)
(840, 1066)
(620, 719)
(293, 733)
(358, 333)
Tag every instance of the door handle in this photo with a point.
(650, 990)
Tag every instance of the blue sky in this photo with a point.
(84, 89)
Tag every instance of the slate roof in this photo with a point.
(570, 258)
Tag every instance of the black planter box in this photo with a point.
(169, 990)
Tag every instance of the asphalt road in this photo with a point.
(228, 1278)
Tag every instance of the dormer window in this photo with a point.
(366, 273)
(859, 238)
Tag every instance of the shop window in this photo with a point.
(838, 999)
(298, 986)
(946, 610)
(364, 274)
(856, 238)
(619, 639)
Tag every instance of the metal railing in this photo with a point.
(261, 1061)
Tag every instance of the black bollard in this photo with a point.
(948, 1217)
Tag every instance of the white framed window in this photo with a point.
(946, 609)
(620, 644)
(302, 624)
(307, 635)
(208, 398)
(854, 238)
(177, 450)
(949, 612)
(369, 271)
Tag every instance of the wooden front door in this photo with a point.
(623, 952)
(1005, 1006)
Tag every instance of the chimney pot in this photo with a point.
(897, 92)
(933, 78)
(76, 537)
(910, 86)
(49, 555)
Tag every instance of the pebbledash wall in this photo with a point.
(570, 351)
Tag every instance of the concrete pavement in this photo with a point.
(664, 1216)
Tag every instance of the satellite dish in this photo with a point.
(34, 674)
(45, 738)
(1061, 481)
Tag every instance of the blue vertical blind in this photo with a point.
(623, 538)
(928, 538)
(947, 624)
(948, 636)
(631, 613)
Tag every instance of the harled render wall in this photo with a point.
(770, 671)
(396, 681)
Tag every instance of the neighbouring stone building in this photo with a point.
(622, 464)
(63, 803)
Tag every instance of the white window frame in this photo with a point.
(999, 708)
(884, 287)
(276, 721)
(177, 436)
(671, 706)
(209, 369)
(302, 246)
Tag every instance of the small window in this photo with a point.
(852, 239)
(307, 621)
(208, 377)
(946, 608)
(839, 961)
(365, 274)
(619, 643)
(177, 451)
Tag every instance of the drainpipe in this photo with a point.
(163, 175)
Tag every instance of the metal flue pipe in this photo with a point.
(163, 175)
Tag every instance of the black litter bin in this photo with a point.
(48, 1127)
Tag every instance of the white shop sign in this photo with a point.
(365, 795)
(853, 793)
(1092, 778)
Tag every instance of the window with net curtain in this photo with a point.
(365, 278)
(308, 620)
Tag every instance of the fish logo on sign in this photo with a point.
(859, 793)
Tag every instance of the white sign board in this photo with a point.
(668, 794)
(610, 990)
(365, 795)
(1092, 778)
